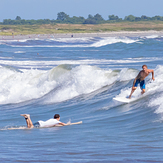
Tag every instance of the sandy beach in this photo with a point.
(80, 35)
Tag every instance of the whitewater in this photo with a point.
(79, 78)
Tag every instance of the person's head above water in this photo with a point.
(56, 116)
(144, 67)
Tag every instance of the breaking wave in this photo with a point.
(58, 84)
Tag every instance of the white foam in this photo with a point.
(8, 40)
(85, 79)
(99, 42)
(113, 40)
(71, 40)
(152, 87)
(58, 84)
(18, 87)
(23, 40)
(152, 36)
(131, 73)
(80, 80)
(158, 103)
(157, 87)
(43, 64)
(19, 52)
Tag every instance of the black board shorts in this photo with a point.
(37, 124)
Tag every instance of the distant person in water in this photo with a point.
(49, 123)
(140, 79)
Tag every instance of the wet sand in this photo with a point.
(80, 35)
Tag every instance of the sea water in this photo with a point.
(78, 79)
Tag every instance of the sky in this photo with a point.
(48, 9)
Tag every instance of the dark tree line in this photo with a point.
(63, 18)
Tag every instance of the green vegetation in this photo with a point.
(66, 24)
(63, 18)
(80, 28)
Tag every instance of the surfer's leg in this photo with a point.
(134, 87)
(28, 120)
(142, 86)
(143, 91)
(132, 91)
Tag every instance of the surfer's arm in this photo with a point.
(63, 124)
(137, 77)
(151, 71)
(135, 80)
(60, 124)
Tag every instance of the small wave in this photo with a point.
(77, 42)
(113, 40)
(42, 64)
(152, 36)
(8, 40)
(24, 40)
(20, 52)
(71, 40)
(157, 87)
(10, 68)
(158, 102)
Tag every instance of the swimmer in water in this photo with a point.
(49, 123)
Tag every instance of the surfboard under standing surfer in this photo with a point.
(140, 79)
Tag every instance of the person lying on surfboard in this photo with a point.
(49, 123)
(140, 79)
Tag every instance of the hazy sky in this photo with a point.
(48, 9)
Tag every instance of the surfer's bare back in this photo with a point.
(140, 79)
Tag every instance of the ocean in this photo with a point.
(78, 79)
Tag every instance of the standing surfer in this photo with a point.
(140, 79)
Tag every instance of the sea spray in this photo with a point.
(85, 79)
(157, 88)
(152, 87)
(18, 87)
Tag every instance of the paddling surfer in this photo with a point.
(140, 79)
(49, 123)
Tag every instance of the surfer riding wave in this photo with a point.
(140, 79)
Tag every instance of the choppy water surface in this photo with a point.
(78, 78)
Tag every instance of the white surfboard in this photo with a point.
(126, 99)
(75, 123)
(22, 127)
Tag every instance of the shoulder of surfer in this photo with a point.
(150, 70)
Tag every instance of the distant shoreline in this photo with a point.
(82, 35)
(80, 30)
